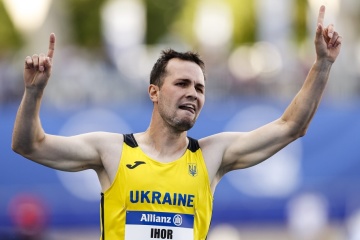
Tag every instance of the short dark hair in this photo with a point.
(158, 71)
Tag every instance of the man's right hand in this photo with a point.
(37, 68)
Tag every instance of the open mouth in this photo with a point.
(188, 107)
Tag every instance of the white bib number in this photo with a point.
(158, 225)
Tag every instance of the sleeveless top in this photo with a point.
(153, 200)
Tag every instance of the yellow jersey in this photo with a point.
(152, 200)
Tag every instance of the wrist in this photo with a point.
(323, 63)
(34, 92)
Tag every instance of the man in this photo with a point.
(159, 184)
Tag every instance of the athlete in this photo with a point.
(159, 184)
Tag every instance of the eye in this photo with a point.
(200, 90)
(181, 84)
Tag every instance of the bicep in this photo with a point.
(250, 148)
(73, 153)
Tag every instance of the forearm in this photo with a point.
(28, 131)
(303, 107)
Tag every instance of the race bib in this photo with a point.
(158, 225)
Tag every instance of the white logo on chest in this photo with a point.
(154, 218)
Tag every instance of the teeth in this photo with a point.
(189, 106)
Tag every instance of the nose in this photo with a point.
(192, 93)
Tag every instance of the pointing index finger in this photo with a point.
(51, 50)
(321, 15)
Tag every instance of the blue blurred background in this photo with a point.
(258, 53)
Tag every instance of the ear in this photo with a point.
(153, 92)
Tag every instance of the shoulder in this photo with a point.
(102, 139)
(107, 145)
(214, 147)
(218, 141)
(109, 148)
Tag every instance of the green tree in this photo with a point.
(10, 39)
(86, 22)
(299, 22)
(160, 15)
(244, 20)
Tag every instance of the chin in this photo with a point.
(184, 125)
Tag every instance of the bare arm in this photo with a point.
(242, 150)
(30, 140)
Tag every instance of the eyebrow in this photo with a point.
(188, 80)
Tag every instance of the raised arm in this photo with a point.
(30, 140)
(242, 150)
(303, 107)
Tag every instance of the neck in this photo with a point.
(166, 137)
(163, 143)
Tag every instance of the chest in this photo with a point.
(156, 200)
(184, 175)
